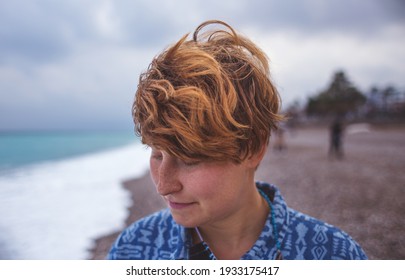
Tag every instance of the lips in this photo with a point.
(178, 205)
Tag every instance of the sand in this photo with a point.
(363, 193)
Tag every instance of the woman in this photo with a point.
(206, 107)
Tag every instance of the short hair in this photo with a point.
(208, 98)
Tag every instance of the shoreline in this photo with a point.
(144, 201)
(362, 194)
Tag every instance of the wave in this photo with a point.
(54, 210)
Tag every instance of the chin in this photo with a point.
(185, 222)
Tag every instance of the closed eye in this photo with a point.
(157, 155)
(191, 163)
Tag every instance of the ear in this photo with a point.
(255, 159)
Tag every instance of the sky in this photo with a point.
(74, 65)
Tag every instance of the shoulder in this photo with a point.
(147, 238)
(305, 237)
(310, 238)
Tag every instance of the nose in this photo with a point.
(167, 181)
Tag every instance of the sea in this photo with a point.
(61, 190)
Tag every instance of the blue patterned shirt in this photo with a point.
(159, 237)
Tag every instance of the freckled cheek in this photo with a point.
(153, 172)
(205, 186)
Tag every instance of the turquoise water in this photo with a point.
(60, 191)
(23, 148)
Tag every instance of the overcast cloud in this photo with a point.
(75, 64)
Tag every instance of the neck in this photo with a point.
(234, 236)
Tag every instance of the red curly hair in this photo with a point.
(208, 98)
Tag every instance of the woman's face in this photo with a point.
(201, 193)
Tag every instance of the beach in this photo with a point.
(363, 193)
(58, 191)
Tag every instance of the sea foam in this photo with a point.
(54, 210)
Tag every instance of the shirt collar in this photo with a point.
(265, 246)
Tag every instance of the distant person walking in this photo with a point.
(280, 144)
(336, 135)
